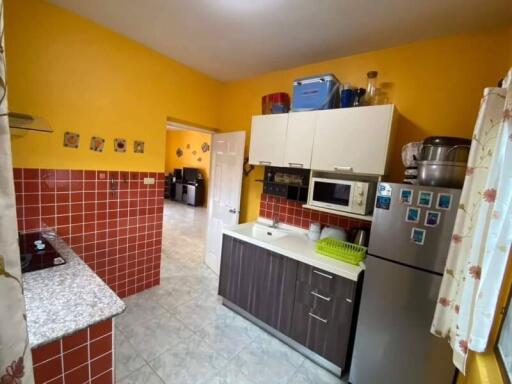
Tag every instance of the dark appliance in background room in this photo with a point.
(409, 242)
(37, 253)
(186, 186)
(290, 183)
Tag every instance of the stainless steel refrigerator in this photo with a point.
(409, 241)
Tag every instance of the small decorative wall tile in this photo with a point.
(120, 145)
(97, 144)
(205, 147)
(194, 152)
(188, 146)
(179, 152)
(199, 159)
(138, 146)
(71, 139)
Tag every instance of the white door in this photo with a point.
(268, 138)
(227, 161)
(299, 139)
(353, 139)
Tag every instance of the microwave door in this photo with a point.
(333, 195)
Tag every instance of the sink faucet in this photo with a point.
(275, 222)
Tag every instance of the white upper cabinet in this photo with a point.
(299, 139)
(353, 139)
(268, 139)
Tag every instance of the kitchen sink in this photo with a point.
(266, 233)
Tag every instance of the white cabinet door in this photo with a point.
(268, 139)
(299, 139)
(353, 139)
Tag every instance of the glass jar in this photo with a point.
(370, 97)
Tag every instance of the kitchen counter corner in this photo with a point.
(65, 299)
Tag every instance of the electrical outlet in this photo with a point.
(149, 180)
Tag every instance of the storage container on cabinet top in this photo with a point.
(275, 103)
(316, 92)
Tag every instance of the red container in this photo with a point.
(275, 103)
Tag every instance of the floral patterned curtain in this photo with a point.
(15, 356)
(482, 234)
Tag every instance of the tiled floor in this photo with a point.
(179, 333)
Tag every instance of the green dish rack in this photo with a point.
(341, 250)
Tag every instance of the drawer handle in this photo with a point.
(265, 162)
(296, 165)
(322, 274)
(339, 168)
(318, 318)
(316, 294)
(348, 300)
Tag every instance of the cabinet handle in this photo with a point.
(318, 318)
(296, 165)
(349, 300)
(339, 168)
(322, 274)
(316, 294)
(265, 162)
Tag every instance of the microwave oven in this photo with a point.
(342, 195)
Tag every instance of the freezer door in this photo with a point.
(390, 235)
(393, 342)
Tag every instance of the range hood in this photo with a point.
(28, 122)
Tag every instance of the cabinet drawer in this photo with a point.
(326, 283)
(327, 336)
(321, 303)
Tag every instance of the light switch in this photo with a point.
(149, 180)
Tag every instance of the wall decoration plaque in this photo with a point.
(97, 144)
(138, 146)
(179, 152)
(71, 139)
(205, 147)
(120, 145)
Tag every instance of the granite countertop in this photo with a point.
(295, 245)
(65, 299)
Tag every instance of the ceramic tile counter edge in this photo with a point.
(298, 247)
(65, 299)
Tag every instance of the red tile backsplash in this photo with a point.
(111, 219)
(292, 213)
(73, 360)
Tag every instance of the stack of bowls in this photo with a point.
(443, 161)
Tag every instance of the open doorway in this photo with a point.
(187, 163)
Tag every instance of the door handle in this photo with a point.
(322, 274)
(316, 294)
(325, 321)
(296, 165)
(233, 210)
(265, 162)
(340, 168)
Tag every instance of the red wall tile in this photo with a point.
(71, 360)
(292, 213)
(102, 224)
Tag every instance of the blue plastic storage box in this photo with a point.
(316, 92)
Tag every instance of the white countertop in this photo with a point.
(295, 245)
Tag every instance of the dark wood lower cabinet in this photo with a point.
(259, 281)
(312, 306)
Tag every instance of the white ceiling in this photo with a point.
(233, 39)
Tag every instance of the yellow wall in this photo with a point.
(436, 85)
(180, 139)
(87, 79)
